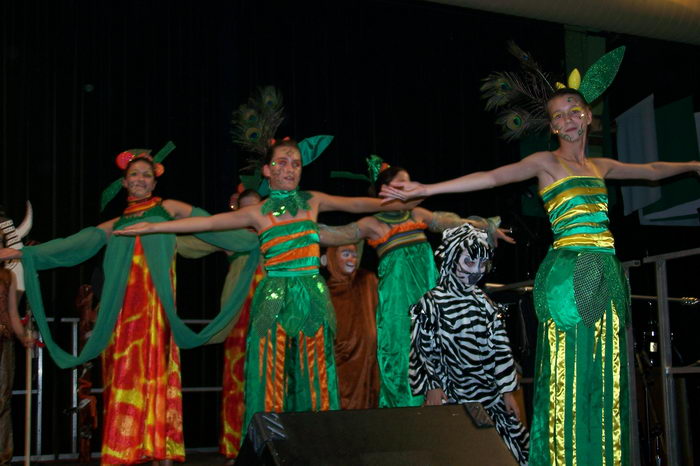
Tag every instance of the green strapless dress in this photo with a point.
(406, 272)
(580, 410)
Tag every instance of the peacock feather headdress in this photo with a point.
(255, 124)
(520, 98)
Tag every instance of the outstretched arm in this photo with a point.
(643, 171)
(527, 168)
(7, 254)
(440, 221)
(339, 235)
(107, 226)
(227, 221)
(358, 205)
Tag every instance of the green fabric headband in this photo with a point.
(114, 187)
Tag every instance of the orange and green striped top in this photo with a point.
(290, 248)
(404, 232)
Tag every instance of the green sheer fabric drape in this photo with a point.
(159, 249)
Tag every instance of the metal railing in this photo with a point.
(38, 392)
(665, 351)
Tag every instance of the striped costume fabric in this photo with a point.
(580, 409)
(289, 350)
(459, 342)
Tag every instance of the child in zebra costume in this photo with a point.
(459, 347)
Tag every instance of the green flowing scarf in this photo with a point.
(159, 250)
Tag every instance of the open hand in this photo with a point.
(504, 234)
(435, 397)
(141, 228)
(403, 190)
(28, 340)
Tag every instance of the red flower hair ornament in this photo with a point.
(273, 141)
(122, 162)
(126, 157)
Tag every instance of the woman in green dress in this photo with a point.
(581, 293)
(406, 272)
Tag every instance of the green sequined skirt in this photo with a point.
(298, 303)
(290, 363)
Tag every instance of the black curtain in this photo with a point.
(84, 80)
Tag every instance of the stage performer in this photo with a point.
(460, 351)
(406, 271)
(13, 239)
(354, 295)
(142, 388)
(233, 382)
(289, 350)
(580, 408)
(10, 325)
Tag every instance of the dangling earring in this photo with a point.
(556, 131)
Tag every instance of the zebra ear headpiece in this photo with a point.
(458, 241)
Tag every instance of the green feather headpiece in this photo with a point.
(375, 165)
(255, 125)
(256, 122)
(601, 74)
(520, 98)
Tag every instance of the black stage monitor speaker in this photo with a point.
(450, 435)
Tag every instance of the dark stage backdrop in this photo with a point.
(83, 80)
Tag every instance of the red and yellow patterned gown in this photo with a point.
(141, 369)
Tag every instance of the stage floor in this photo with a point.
(193, 459)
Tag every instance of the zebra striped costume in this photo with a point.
(459, 342)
